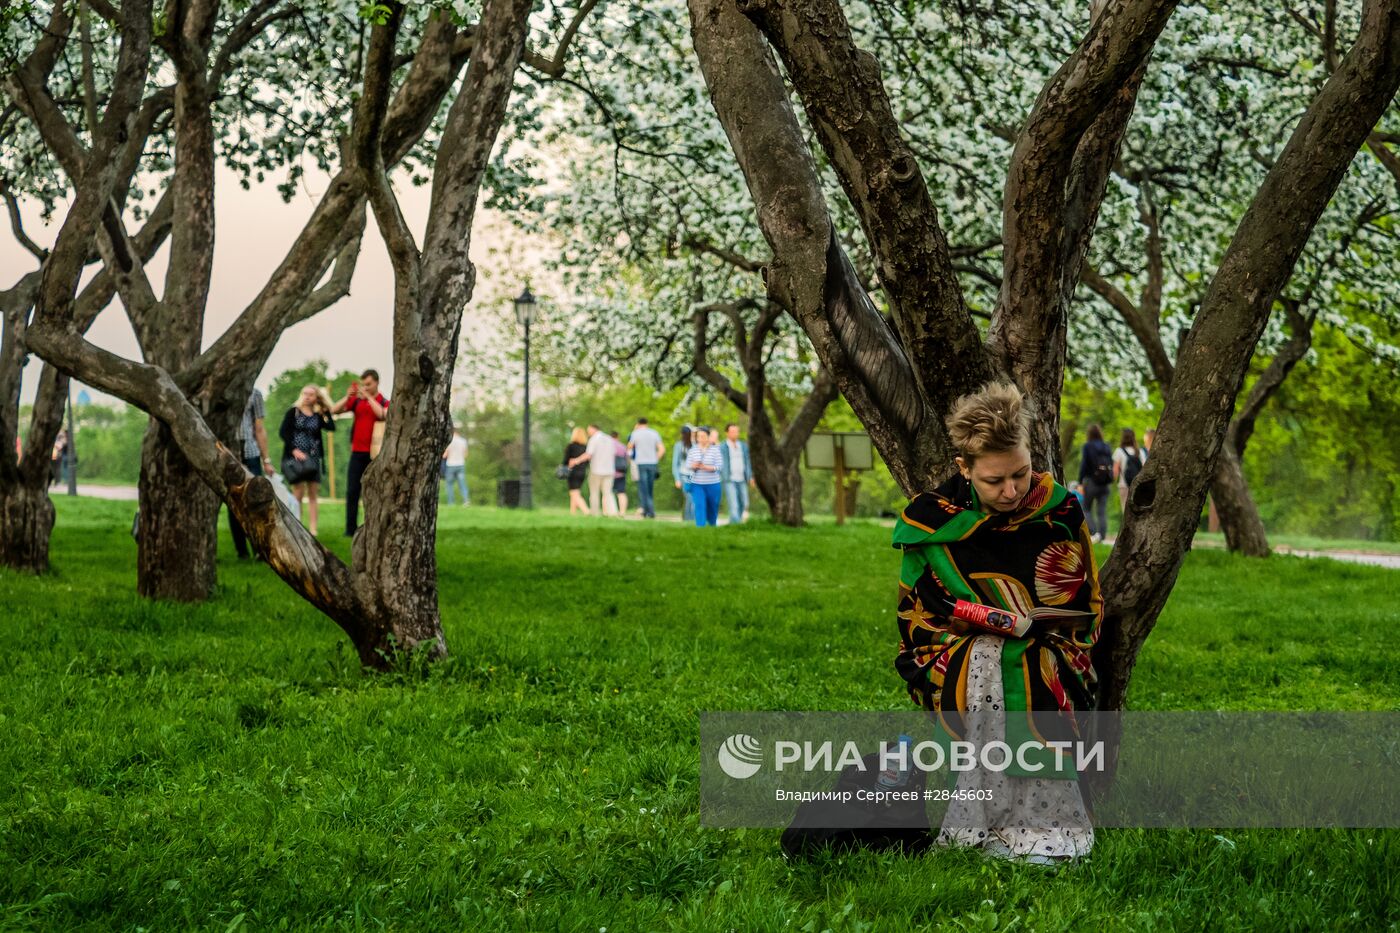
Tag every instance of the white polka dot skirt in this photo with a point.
(1025, 816)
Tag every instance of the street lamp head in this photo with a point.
(525, 308)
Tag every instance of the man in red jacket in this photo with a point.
(368, 406)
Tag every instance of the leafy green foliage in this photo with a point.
(1328, 460)
(109, 442)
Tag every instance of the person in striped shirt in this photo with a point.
(705, 462)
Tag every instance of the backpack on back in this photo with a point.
(1102, 467)
(1132, 465)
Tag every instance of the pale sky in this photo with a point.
(254, 230)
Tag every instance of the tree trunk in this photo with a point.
(395, 556)
(1239, 516)
(26, 520)
(26, 514)
(179, 518)
(778, 477)
(777, 456)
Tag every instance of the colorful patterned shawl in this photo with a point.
(1039, 555)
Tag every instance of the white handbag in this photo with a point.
(284, 495)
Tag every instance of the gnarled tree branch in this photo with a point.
(841, 90)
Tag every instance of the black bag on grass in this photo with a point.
(836, 825)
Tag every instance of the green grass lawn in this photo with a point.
(227, 766)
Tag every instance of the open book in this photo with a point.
(1014, 624)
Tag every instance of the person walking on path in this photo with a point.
(1096, 476)
(251, 444)
(683, 474)
(737, 474)
(304, 449)
(454, 460)
(601, 457)
(706, 464)
(619, 486)
(577, 466)
(369, 407)
(646, 447)
(1127, 463)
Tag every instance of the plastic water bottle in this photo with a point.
(895, 777)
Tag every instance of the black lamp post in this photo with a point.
(525, 315)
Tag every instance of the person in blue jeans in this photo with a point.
(737, 473)
(646, 447)
(705, 462)
(683, 475)
(454, 460)
(1096, 476)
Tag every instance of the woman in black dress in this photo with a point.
(303, 453)
(578, 470)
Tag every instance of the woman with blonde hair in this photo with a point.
(303, 452)
(577, 469)
(1000, 536)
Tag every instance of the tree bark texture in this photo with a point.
(176, 538)
(1055, 183)
(1054, 189)
(27, 511)
(1238, 512)
(902, 380)
(777, 456)
(24, 482)
(1165, 503)
(779, 480)
(26, 521)
(395, 555)
(777, 453)
(810, 274)
(222, 378)
(845, 100)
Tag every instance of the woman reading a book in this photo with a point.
(999, 605)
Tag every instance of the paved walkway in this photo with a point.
(1372, 558)
(125, 493)
(1356, 557)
